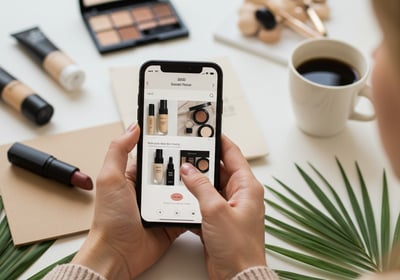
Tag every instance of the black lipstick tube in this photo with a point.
(41, 163)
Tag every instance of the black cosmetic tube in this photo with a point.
(55, 62)
(23, 99)
(41, 163)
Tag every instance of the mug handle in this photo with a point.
(357, 116)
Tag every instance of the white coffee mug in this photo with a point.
(322, 110)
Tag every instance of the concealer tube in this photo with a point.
(23, 99)
(56, 63)
(158, 167)
(163, 117)
(151, 121)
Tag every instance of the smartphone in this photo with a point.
(179, 113)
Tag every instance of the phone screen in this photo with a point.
(180, 116)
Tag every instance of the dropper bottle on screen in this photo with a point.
(170, 172)
(158, 167)
(151, 126)
(163, 117)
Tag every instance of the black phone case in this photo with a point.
(177, 67)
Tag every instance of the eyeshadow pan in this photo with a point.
(107, 38)
(147, 25)
(121, 18)
(162, 10)
(129, 33)
(168, 20)
(100, 23)
(142, 14)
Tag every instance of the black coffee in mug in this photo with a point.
(328, 72)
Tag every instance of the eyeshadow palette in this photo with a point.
(120, 24)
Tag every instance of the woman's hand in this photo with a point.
(233, 224)
(118, 247)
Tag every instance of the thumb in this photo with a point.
(200, 186)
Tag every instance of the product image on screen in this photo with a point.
(179, 124)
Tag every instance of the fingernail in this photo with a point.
(187, 169)
(131, 128)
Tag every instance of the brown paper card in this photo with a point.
(38, 208)
(238, 122)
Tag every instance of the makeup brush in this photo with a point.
(295, 24)
(312, 14)
(266, 18)
(271, 31)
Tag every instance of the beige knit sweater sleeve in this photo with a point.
(77, 272)
(72, 271)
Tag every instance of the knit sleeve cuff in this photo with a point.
(256, 273)
(73, 271)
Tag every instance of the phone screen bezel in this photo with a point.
(176, 67)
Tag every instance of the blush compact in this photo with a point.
(120, 24)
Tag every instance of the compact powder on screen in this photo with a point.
(107, 38)
(200, 116)
(205, 130)
(129, 33)
(203, 165)
(121, 18)
(100, 23)
(142, 14)
(162, 10)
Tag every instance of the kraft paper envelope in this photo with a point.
(38, 208)
(238, 122)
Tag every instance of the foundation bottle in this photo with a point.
(23, 99)
(158, 167)
(163, 117)
(170, 172)
(151, 121)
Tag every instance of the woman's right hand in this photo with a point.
(233, 224)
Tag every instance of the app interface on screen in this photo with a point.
(179, 126)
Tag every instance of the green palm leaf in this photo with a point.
(312, 242)
(340, 248)
(357, 212)
(308, 219)
(396, 235)
(315, 262)
(287, 275)
(369, 217)
(385, 222)
(353, 231)
(330, 207)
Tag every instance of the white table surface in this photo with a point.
(266, 88)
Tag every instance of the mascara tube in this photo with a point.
(24, 99)
(48, 166)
